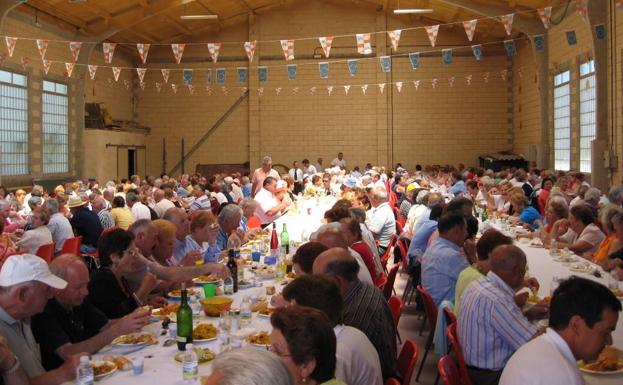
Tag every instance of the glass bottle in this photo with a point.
(184, 321)
(233, 268)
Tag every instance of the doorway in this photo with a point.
(132, 162)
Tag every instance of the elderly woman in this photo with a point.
(121, 215)
(546, 187)
(203, 232)
(260, 368)
(352, 230)
(248, 206)
(582, 236)
(109, 288)
(305, 341)
(524, 213)
(611, 243)
(38, 235)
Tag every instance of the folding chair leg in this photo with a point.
(429, 343)
(398, 335)
(437, 378)
(424, 319)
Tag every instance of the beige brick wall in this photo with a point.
(526, 106)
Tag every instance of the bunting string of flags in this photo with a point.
(42, 47)
(143, 50)
(74, 47)
(249, 49)
(325, 43)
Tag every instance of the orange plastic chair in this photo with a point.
(388, 253)
(46, 252)
(448, 371)
(391, 278)
(396, 306)
(72, 246)
(458, 352)
(407, 359)
(254, 222)
(381, 281)
(431, 315)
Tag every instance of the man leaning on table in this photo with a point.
(583, 315)
(269, 207)
(26, 284)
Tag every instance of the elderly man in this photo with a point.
(85, 223)
(58, 225)
(202, 200)
(182, 228)
(380, 218)
(492, 327)
(583, 315)
(339, 161)
(98, 205)
(333, 235)
(260, 174)
(365, 308)
(139, 210)
(228, 221)
(162, 203)
(26, 284)
(269, 207)
(70, 324)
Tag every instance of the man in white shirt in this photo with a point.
(583, 315)
(58, 225)
(139, 210)
(162, 203)
(295, 172)
(339, 161)
(380, 219)
(308, 169)
(269, 207)
(261, 173)
(319, 166)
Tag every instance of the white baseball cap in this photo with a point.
(28, 267)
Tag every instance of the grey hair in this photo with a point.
(34, 200)
(139, 226)
(592, 196)
(131, 197)
(260, 367)
(607, 216)
(380, 193)
(267, 159)
(246, 202)
(616, 195)
(420, 197)
(52, 205)
(228, 212)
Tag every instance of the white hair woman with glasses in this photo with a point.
(260, 368)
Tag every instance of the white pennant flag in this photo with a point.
(143, 50)
(394, 37)
(432, 31)
(141, 73)
(214, 49)
(330, 90)
(363, 43)
(364, 88)
(92, 70)
(470, 28)
(178, 51)
(70, 68)
(346, 89)
(546, 16)
(507, 20)
(109, 51)
(326, 43)
(74, 47)
(416, 84)
(46, 66)
(10, 44)
(42, 46)
(382, 87)
(399, 86)
(116, 71)
(249, 48)
(165, 74)
(288, 49)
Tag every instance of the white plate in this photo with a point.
(113, 343)
(566, 259)
(204, 340)
(601, 373)
(100, 376)
(581, 268)
(201, 283)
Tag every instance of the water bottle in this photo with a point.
(245, 311)
(84, 372)
(189, 365)
(553, 248)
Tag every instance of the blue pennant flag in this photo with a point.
(262, 74)
(323, 68)
(571, 38)
(600, 31)
(352, 66)
(291, 71)
(539, 43)
(414, 57)
(386, 63)
(446, 55)
(209, 77)
(187, 77)
(242, 74)
(477, 50)
(220, 75)
(511, 50)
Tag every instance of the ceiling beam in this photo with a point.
(58, 12)
(178, 25)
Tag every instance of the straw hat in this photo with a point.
(74, 201)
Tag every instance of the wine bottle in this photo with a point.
(285, 241)
(232, 265)
(274, 242)
(184, 321)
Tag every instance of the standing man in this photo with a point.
(380, 219)
(339, 161)
(308, 169)
(262, 173)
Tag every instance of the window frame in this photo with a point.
(25, 87)
(561, 79)
(67, 86)
(586, 70)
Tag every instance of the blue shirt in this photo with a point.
(491, 326)
(209, 255)
(529, 215)
(458, 188)
(243, 224)
(419, 243)
(442, 263)
(246, 190)
(221, 239)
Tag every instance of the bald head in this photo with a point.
(338, 264)
(509, 263)
(332, 236)
(72, 269)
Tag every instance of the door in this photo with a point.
(132, 162)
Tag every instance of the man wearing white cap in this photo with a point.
(269, 207)
(26, 284)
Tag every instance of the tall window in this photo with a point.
(13, 124)
(55, 128)
(562, 121)
(588, 119)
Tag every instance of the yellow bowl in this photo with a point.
(213, 307)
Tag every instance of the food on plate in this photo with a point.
(120, 362)
(536, 242)
(204, 332)
(267, 311)
(203, 355)
(270, 290)
(135, 339)
(259, 306)
(618, 292)
(212, 307)
(178, 292)
(166, 310)
(609, 360)
(207, 278)
(102, 367)
(262, 338)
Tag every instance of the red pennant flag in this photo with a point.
(326, 42)
(363, 43)
(178, 51)
(249, 48)
(46, 66)
(214, 49)
(116, 71)
(507, 20)
(92, 70)
(209, 90)
(74, 47)
(42, 47)
(70, 68)
(470, 28)
(10, 44)
(288, 49)
(109, 51)
(165, 74)
(141, 73)
(394, 37)
(224, 91)
(432, 31)
(143, 50)
(546, 16)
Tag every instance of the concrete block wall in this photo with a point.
(526, 106)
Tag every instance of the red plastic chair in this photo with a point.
(450, 317)
(381, 281)
(431, 314)
(396, 306)
(388, 253)
(448, 371)
(46, 252)
(391, 278)
(458, 352)
(407, 359)
(72, 246)
(392, 381)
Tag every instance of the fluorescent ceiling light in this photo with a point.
(199, 17)
(403, 11)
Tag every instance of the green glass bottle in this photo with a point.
(285, 241)
(184, 321)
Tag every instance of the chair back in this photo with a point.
(458, 352)
(392, 381)
(429, 307)
(391, 278)
(448, 372)
(404, 251)
(396, 306)
(450, 317)
(46, 252)
(254, 222)
(388, 252)
(72, 245)
(381, 281)
(407, 359)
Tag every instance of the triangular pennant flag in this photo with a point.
(363, 43)
(329, 90)
(288, 49)
(42, 47)
(143, 50)
(243, 90)
(142, 85)
(477, 50)
(399, 86)
(278, 90)
(323, 68)
(446, 55)
(382, 87)
(242, 74)
(546, 16)
(249, 48)
(224, 90)
(209, 90)
(46, 66)
(451, 80)
(507, 20)
(468, 79)
(434, 83)
(291, 71)
(571, 38)
(485, 77)
(221, 75)
(416, 84)
(432, 31)
(214, 49)
(10, 44)
(386, 63)
(70, 68)
(364, 88)
(260, 91)
(503, 74)
(165, 74)
(326, 42)
(74, 47)
(312, 91)
(187, 77)
(116, 71)
(92, 69)
(126, 82)
(109, 51)
(141, 73)
(511, 50)
(262, 74)
(174, 88)
(191, 89)
(346, 89)
(352, 66)
(394, 38)
(178, 51)
(158, 86)
(414, 58)
(539, 43)
(582, 8)
(295, 91)
(470, 28)
(25, 62)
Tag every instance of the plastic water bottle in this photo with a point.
(84, 372)
(245, 312)
(553, 248)
(190, 365)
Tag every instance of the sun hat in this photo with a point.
(74, 201)
(28, 267)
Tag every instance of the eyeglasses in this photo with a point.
(272, 349)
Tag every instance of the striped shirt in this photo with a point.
(201, 203)
(442, 263)
(491, 325)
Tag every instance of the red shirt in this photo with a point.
(366, 254)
